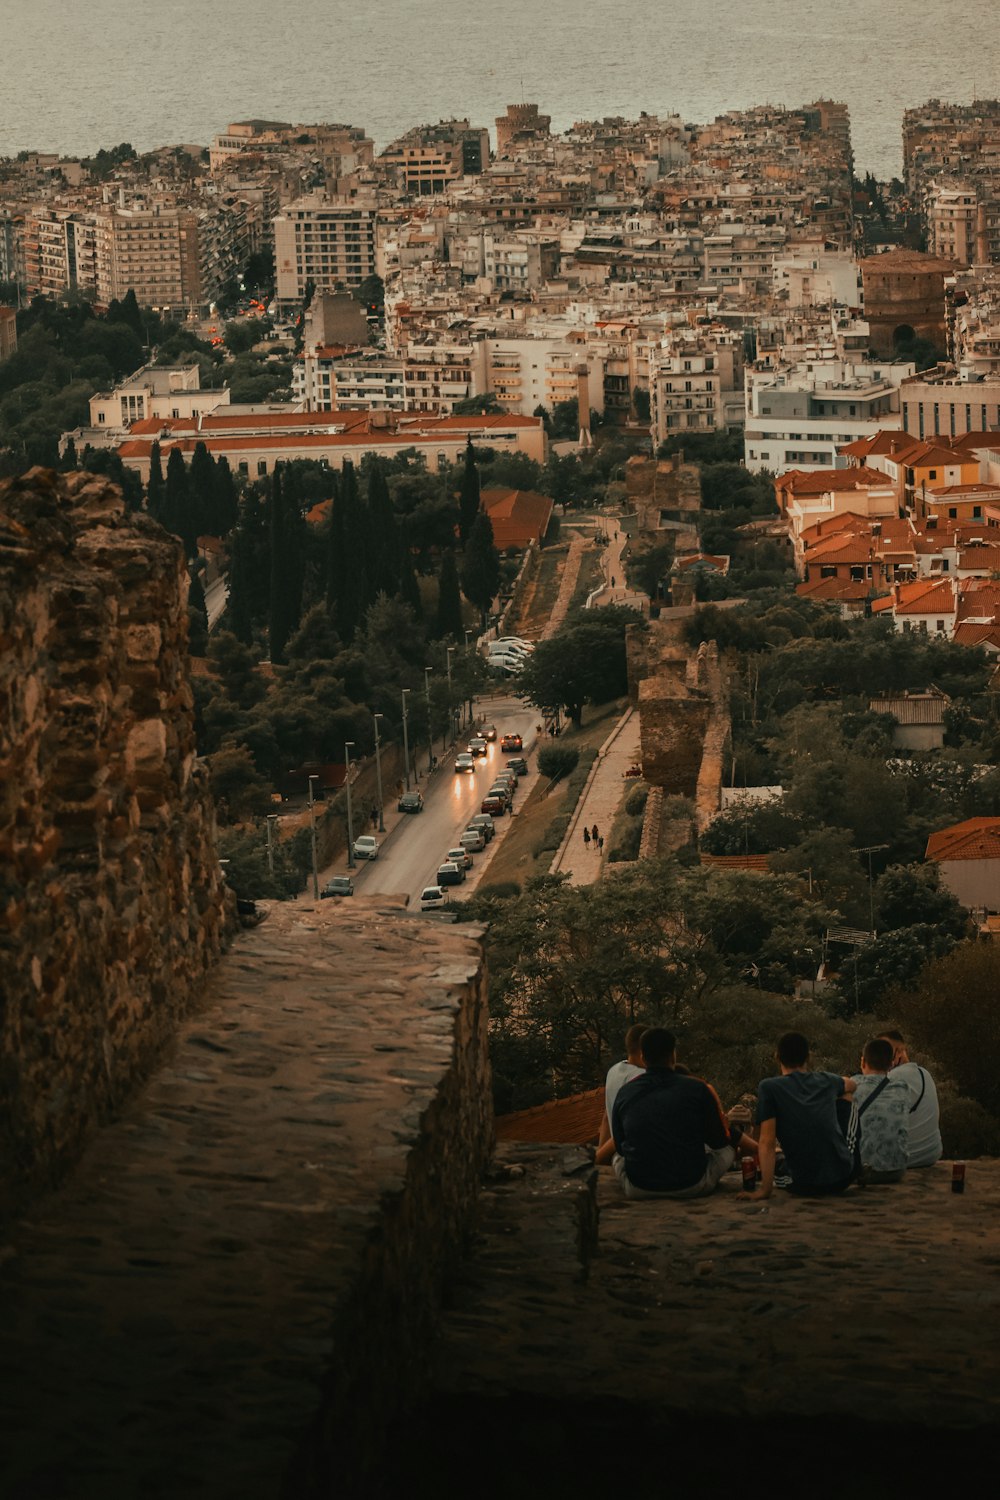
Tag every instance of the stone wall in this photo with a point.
(111, 902)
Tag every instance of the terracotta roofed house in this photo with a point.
(968, 855)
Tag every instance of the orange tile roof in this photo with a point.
(571, 1121)
(976, 838)
(760, 863)
(924, 596)
(829, 589)
(992, 490)
(969, 633)
(820, 481)
(517, 516)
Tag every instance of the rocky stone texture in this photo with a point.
(112, 907)
(265, 1235)
(720, 1341)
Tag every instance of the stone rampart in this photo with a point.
(234, 1294)
(112, 907)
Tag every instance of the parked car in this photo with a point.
(506, 774)
(511, 742)
(507, 663)
(410, 802)
(366, 847)
(477, 745)
(519, 764)
(465, 762)
(340, 885)
(473, 839)
(513, 640)
(431, 897)
(460, 856)
(485, 824)
(495, 806)
(450, 873)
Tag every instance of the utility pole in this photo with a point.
(406, 743)
(870, 849)
(451, 711)
(348, 747)
(427, 695)
(378, 773)
(312, 837)
(272, 818)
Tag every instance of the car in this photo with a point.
(477, 745)
(366, 847)
(485, 824)
(510, 743)
(431, 897)
(519, 764)
(340, 885)
(450, 873)
(489, 732)
(509, 665)
(495, 806)
(460, 856)
(473, 839)
(507, 774)
(514, 640)
(410, 802)
(465, 762)
(502, 794)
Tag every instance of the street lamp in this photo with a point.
(870, 849)
(348, 747)
(272, 818)
(451, 711)
(406, 743)
(427, 695)
(378, 772)
(312, 837)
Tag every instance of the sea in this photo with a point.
(77, 76)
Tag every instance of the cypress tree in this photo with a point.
(353, 598)
(69, 459)
(154, 486)
(225, 503)
(202, 486)
(238, 600)
(383, 535)
(468, 500)
(481, 567)
(448, 621)
(409, 587)
(278, 626)
(335, 553)
(178, 512)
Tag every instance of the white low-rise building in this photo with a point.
(798, 416)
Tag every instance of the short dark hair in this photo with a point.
(878, 1053)
(658, 1046)
(793, 1049)
(893, 1036)
(634, 1036)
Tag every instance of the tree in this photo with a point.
(468, 502)
(557, 761)
(383, 534)
(202, 482)
(225, 506)
(953, 1013)
(481, 566)
(448, 621)
(908, 894)
(286, 566)
(240, 791)
(155, 489)
(584, 662)
(566, 419)
(348, 580)
(178, 512)
(475, 406)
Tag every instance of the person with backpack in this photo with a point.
(879, 1129)
(924, 1146)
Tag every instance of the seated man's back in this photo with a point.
(803, 1107)
(924, 1145)
(663, 1122)
(882, 1102)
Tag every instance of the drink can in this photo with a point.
(958, 1176)
(748, 1167)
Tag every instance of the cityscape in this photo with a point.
(498, 629)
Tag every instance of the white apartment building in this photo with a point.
(425, 379)
(797, 416)
(325, 241)
(812, 276)
(696, 383)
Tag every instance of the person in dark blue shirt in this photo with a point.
(671, 1137)
(799, 1109)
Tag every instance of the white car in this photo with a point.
(366, 847)
(460, 856)
(431, 897)
(465, 762)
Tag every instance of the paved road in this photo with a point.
(413, 848)
(215, 599)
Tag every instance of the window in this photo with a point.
(932, 473)
(940, 627)
(100, 417)
(261, 467)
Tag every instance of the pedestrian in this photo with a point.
(374, 817)
(612, 580)
(594, 834)
(600, 845)
(586, 837)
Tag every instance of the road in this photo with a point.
(412, 849)
(215, 599)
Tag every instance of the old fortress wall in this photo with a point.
(112, 907)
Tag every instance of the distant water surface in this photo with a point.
(77, 76)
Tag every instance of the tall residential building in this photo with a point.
(172, 256)
(430, 157)
(696, 383)
(328, 243)
(60, 251)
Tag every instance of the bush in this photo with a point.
(502, 890)
(627, 846)
(556, 761)
(635, 802)
(968, 1130)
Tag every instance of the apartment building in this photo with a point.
(326, 242)
(60, 251)
(429, 158)
(174, 256)
(799, 416)
(696, 383)
(8, 332)
(427, 379)
(520, 262)
(945, 402)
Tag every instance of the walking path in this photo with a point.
(599, 803)
(616, 590)
(567, 584)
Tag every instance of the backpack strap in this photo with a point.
(874, 1095)
(923, 1087)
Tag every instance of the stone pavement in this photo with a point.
(570, 573)
(845, 1318)
(599, 802)
(275, 1214)
(616, 590)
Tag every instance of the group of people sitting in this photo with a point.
(667, 1136)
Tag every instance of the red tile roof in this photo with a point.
(760, 863)
(976, 838)
(517, 516)
(571, 1121)
(823, 481)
